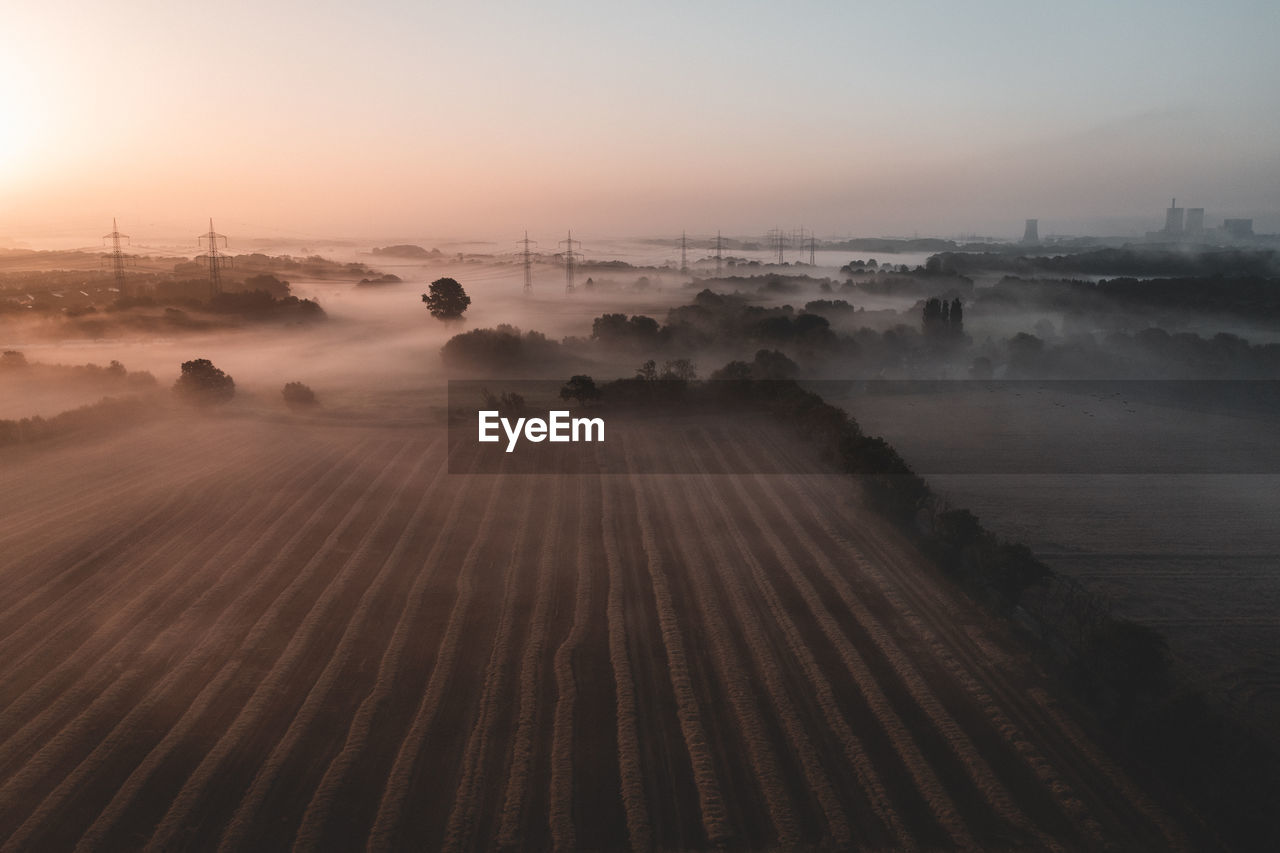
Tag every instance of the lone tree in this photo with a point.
(581, 388)
(298, 394)
(12, 359)
(446, 299)
(202, 383)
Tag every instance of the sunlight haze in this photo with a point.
(453, 120)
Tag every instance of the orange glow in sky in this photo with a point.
(405, 119)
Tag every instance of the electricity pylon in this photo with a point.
(528, 262)
(778, 241)
(719, 247)
(684, 253)
(117, 255)
(570, 260)
(214, 259)
(804, 237)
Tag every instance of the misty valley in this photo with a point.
(891, 544)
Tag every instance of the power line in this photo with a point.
(117, 255)
(801, 237)
(528, 263)
(570, 259)
(778, 241)
(214, 259)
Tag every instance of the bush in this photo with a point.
(297, 394)
(581, 388)
(202, 383)
(503, 349)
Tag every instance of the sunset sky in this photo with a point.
(409, 119)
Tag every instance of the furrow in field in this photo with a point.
(957, 652)
(238, 830)
(516, 790)
(56, 658)
(710, 794)
(818, 684)
(725, 658)
(316, 817)
(769, 663)
(975, 766)
(383, 834)
(941, 804)
(45, 519)
(1174, 838)
(65, 691)
(996, 794)
(271, 689)
(910, 594)
(639, 826)
(70, 498)
(461, 826)
(212, 655)
(22, 741)
(43, 645)
(40, 589)
(563, 832)
(145, 624)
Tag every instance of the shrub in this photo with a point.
(297, 394)
(202, 383)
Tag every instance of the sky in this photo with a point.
(434, 120)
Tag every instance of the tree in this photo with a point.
(647, 371)
(13, 359)
(734, 371)
(771, 364)
(202, 383)
(581, 388)
(682, 369)
(616, 328)
(508, 403)
(297, 394)
(932, 320)
(446, 299)
(267, 283)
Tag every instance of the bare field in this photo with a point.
(1192, 553)
(280, 635)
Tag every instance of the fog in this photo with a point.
(1090, 403)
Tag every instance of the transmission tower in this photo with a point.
(778, 240)
(117, 256)
(214, 259)
(684, 253)
(804, 237)
(719, 247)
(570, 261)
(528, 262)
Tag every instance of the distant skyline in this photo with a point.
(326, 119)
